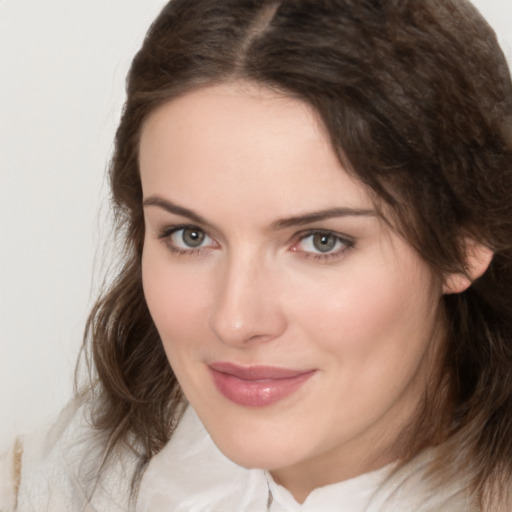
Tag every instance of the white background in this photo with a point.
(62, 69)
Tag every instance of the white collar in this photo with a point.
(353, 495)
(190, 474)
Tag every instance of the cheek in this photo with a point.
(374, 321)
(177, 300)
(372, 337)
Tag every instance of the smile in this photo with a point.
(256, 386)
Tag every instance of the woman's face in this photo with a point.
(301, 328)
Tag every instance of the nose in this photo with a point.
(246, 307)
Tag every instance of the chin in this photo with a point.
(258, 447)
(258, 457)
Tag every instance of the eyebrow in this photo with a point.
(174, 208)
(299, 220)
(309, 218)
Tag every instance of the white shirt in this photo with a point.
(190, 474)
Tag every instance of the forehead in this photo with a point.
(246, 145)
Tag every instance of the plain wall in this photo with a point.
(62, 70)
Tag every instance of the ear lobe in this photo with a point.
(479, 258)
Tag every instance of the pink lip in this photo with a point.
(256, 386)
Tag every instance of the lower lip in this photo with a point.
(257, 393)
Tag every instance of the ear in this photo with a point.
(478, 260)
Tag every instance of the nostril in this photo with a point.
(244, 309)
(247, 325)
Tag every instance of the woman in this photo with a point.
(313, 312)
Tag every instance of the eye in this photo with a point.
(189, 238)
(321, 242)
(322, 245)
(186, 239)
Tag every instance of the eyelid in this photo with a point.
(166, 233)
(347, 241)
(314, 231)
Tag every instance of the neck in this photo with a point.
(302, 478)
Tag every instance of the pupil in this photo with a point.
(324, 242)
(193, 237)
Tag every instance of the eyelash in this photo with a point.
(166, 234)
(348, 243)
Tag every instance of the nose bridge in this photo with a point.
(245, 308)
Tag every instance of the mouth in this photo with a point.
(256, 386)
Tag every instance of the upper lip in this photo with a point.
(256, 372)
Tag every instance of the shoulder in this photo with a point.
(420, 486)
(58, 469)
(190, 474)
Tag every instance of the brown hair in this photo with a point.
(417, 99)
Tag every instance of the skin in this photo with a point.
(364, 316)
